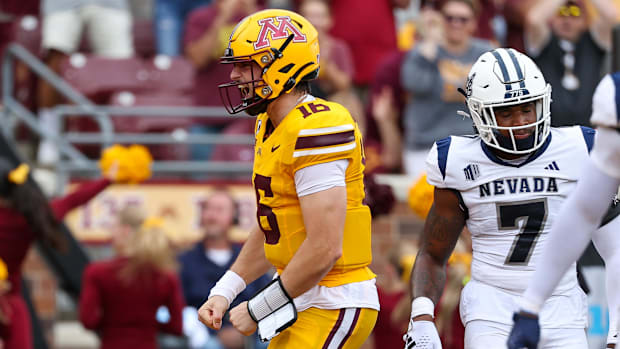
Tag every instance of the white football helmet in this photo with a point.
(506, 77)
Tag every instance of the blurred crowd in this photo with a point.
(397, 65)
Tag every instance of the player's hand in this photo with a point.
(422, 335)
(212, 312)
(241, 319)
(525, 331)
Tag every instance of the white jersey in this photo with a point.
(604, 110)
(606, 116)
(511, 208)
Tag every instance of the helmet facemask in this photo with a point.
(483, 116)
(251, 96)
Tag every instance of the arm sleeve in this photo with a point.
(90, 301)
(78, 197)
(418, 74)
(316, 178)
(580, 215)
(175, 306)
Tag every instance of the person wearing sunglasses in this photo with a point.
(431, 73)
(569, 47)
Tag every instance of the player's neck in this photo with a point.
(281, 106)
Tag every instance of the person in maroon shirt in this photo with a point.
(206, 35)
(25, 216)
(120, 296)
(337, 68)
(384, 117)
(369, 30)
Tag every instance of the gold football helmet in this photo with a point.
(286, 48)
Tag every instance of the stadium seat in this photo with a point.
(170, 74)
(150, 123)
(173, 124)
(99, 77)
(236, 152)
(27, 31)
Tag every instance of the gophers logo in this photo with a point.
(281, 31)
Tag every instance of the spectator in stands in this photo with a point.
(502, 22)
(515, 13)
(204, 265)
(168, 22)
(120, 297)
(384, 114)
(109, 24)
(335, 82)
(431, 73)
(206, 36)
(570, 53)
(26, 216)
(369, 30)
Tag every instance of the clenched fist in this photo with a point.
(212, 312)
(241, 319)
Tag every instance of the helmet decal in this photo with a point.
(468, 84)
(277, 32)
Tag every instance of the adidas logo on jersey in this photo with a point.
(552, 166)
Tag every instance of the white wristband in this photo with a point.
(422, 306)
(228, 286)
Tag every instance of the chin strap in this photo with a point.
(522, 144)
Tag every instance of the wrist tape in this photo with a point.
(273, 309)
(422, 306)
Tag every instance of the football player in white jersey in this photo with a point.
(581, 214)
(507, 185)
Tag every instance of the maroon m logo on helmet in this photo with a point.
(282, 31)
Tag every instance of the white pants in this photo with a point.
(487, 312)
(109, 29)
(480, 334)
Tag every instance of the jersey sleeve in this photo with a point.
(606, 101)
(323, 137)
(436, 162)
